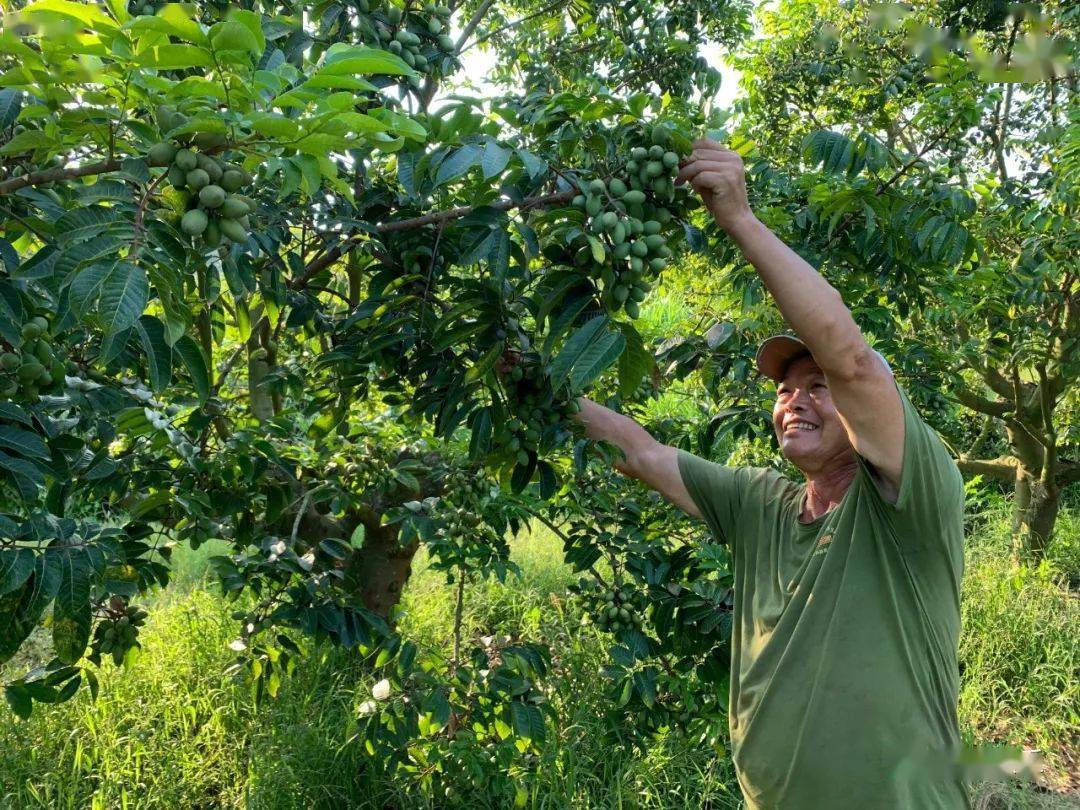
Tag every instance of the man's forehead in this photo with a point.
(800, 367)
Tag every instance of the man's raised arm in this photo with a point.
(646, 459)
(861, 385)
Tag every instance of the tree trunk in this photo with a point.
(378, 571)
(1035, 510)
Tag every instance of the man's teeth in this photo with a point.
(802, 426)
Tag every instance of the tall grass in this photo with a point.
(173, 731)
(1020, 646)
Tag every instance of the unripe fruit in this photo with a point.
(597, 186)
(593, 206)
(654, 168)
(32, 331)
(211, 167)
(232, 180)
(670, 159)
(394, 47)
(618, 188)
(651, 226)
(186, 160)
(233, 230)
(446, 43)
(212, 235)
(434, 26)
(579, 202)
(610, 220)
(212, 196)
(232, 207)
(634, 197)
(209, 140)
(393, 14)
(30, 371)
(194, 222)
(9, 361)
(176, 176)
(197, 179)
(161, 154)
(42, 323)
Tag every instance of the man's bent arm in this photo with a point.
(646, 459)
(860, 385)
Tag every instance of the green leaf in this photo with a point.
(635, 363)
(175, 56)
(192, 356)
(29, 141)
(23, 441)
(124, 293)
(10, 104)
(357, 59)
(18, 698)
(16, 565)
(151, 333)
(71, 612)
(533, 165)
(91, 222)
(89, 14)
(573, 348)
(458, 163)
(231, 35)
(494, 159)
(596, 357)
(275, 126)
(527, 721)
(484, 364)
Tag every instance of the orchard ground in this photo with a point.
(175, 731)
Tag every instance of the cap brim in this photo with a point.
(777, 353)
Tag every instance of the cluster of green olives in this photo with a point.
(32, 367)
(145, 8)
(417, 33)
(612, 609)
(216, 209)
(629, 214)
(536, 411)
(117, 634)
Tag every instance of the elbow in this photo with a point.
(854, 362)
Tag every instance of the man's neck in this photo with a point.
(826, 487)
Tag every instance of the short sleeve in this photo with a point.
(717, 490)
(930, 504)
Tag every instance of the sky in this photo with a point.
(477, 65)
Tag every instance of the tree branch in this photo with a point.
(50, 175)
(321, 263)
(971, 400)
(1003, 468)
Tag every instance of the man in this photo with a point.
(844, 674)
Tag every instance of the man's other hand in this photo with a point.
(718, 175)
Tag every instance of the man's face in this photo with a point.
(807, 424)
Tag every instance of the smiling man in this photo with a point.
(844, 674)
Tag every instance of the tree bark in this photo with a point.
(378, 571)
(1035, 511)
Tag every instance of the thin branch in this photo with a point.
(318, 265)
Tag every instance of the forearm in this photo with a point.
(809, 304)
(604, 424)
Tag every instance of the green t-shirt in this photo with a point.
(844, 676)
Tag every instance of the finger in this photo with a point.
(711, 154)
(712, 182)
(707, 143)
(693, 169)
